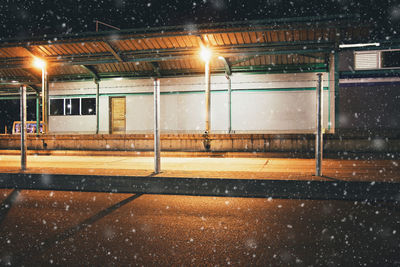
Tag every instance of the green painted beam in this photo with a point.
(156, 68)
(114, 51)
(172, 73)
(16, 81)
(34, 87)
(283, 68)
(191, 72)
(92, 71)
(180, 57)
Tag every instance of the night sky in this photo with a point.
(24, 18)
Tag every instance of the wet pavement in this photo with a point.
(103, 229)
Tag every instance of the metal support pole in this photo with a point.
(97, 106)
(37, 114)
(157, 149)
(208, 95)
(45, 97)
(46, 106)
(23, 127)
(43, 100)
(229, 103)
(318, 138)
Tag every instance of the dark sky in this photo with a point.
(24, 18)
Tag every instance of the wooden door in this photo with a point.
(117, 115)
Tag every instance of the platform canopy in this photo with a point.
(299, 44)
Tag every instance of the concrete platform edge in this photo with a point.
(286, 189)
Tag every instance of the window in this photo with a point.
(390, 59)
(88, 106)
(56, 107)
(72, 106)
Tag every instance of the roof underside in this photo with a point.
(251, 46)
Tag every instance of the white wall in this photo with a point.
(139, 113)
(69, 124)
(261, 103)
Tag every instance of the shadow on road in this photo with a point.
(7, 204)
(49, 243)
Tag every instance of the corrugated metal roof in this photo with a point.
(175, 50)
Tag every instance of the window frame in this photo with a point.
(381, 59)
(65, 106)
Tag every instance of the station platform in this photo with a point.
(229, 165)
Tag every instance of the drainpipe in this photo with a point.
(37, 114)
(97, 105)
(229, 103)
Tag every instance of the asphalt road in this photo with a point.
(103, 229)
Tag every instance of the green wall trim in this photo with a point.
(279, 89)
(189, 92)
(15, 97)
(360, 73)
(71, 96)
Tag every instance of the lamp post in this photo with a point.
(206, 56)
(41, 64)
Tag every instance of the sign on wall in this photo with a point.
(30, 127)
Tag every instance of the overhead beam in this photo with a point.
(16, 81)
(156, 57)
(92, 71)
(168, 53)
(156, 68)
(197, 71)
(113, 51)
(313, 56)
(204, 40)
(37, 78)
(227, 65)
(243, 60)
(30, 51)
(34, 87)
